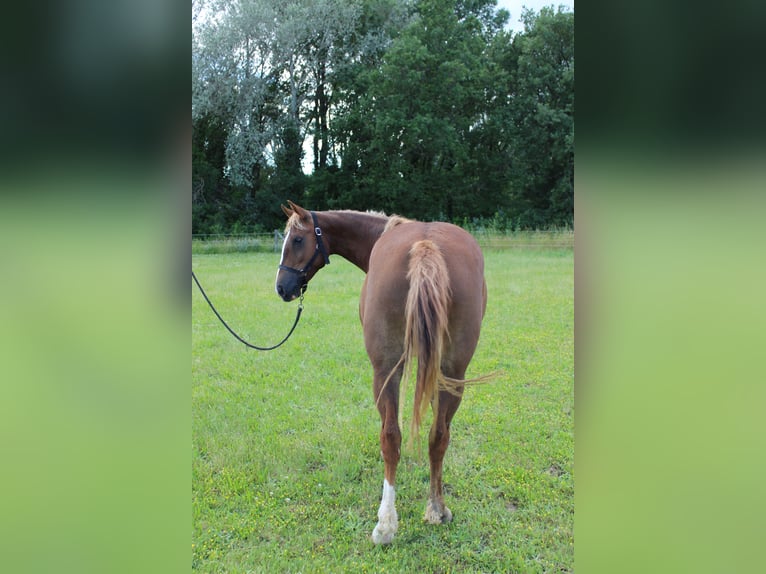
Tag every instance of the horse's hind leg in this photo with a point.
(390, 442)
(438, 441)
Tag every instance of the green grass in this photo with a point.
(286, 467)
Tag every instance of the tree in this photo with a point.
(262, 66)
(428, 108)
(423, 102)
(542, 186)
(343, 182)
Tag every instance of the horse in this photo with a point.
(424, 297)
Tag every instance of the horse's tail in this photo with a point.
(426, 333)
(426, 327)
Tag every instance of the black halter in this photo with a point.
(320, 250)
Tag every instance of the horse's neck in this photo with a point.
(352, 234)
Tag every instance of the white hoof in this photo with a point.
(385, 530)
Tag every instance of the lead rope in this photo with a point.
(240, 339)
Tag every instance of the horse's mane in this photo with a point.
(294, 221)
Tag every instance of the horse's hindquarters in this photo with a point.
(424, 297)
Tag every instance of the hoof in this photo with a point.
(383, 533)
(434, 515)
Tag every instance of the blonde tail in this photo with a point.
(426, 327)
(426, 331)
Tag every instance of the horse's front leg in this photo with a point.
(390, 443)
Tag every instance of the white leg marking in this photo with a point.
(388, 520)
(281, 260)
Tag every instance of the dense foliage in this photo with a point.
(428, 108)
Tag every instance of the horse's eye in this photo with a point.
(298, 240)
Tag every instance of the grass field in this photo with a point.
(286, 467)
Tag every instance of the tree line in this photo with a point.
(431, 109)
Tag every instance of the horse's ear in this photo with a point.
(302, 213)
(288, 212)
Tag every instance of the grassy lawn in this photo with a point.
(286, 467)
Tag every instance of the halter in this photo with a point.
(320, 250)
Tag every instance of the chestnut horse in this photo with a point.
(424, 297)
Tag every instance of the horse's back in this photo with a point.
(458, 247)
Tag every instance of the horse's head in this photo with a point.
(303, 252)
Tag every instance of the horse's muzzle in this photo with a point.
(290, 287)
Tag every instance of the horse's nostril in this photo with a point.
(280, 291)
